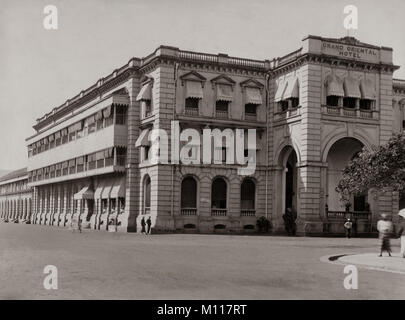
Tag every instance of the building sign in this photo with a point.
(350, 52)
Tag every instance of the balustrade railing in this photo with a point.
(188, 211)
(248, 212)
(218, 212)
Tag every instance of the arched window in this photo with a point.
(247, 197)
(189, 196)
(146, 195)
(219, 197)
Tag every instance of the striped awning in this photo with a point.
(143, 139)
(253, 95)
(352, 88)
(194, 89)
(367, 89)
(105, 194)
(292, 89)
(334, 86)
(145, 93)
(84, 193)
(282, 85)
(224, 92)
(118, 189)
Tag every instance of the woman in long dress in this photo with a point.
(384, 227)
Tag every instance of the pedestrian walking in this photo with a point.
(384, 227)
(401, 231)
(149, 223)
(348, 226)
(143, 223)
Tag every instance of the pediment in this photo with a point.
(251, 83)
(223, 79)
(192, 76)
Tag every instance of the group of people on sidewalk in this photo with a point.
(386, 231)
(143, 225)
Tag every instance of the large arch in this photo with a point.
(189, 195)
(364, 140)
(285, 184)
(219, 196)
(339, 155)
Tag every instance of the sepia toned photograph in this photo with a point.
(202, 150)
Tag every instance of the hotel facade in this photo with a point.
(313, 110)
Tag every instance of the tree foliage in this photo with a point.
(381, 168)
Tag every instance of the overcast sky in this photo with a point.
(41, 69)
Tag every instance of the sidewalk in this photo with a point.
(373, 261)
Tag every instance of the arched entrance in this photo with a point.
(286, 184)
(339, 156)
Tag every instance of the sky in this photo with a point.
(40, 69)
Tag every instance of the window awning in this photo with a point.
(99, 190)
(194, 89)
(84, 193)
(367, 90)
(282, 85)
(292, 89)
(334, 87)
(91, 120)
(253, 95)
(99, 115)
(118, 190)
(352, 88)
(107, 112)
(224, 92)
(143, 139)
(145, 93)
(105, 194)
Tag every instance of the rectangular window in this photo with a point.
(365, 104)
(121, 115)
(192, 103)
(283, 105)
(250, 108)
(349, 102)
(332, 101)
(221, 109)
(295, 102)
(146, 150)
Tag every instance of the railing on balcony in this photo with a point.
(250, 116)
(366, 114)
(191, 111)
(290, 112)
(146, 210)
(348, 112)
(342, 215)
(221, 114)
(218, 212)
(248, 212)
(188, 211)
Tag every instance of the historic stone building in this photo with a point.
(15, 197)
(312, 109)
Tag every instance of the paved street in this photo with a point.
(100, 265)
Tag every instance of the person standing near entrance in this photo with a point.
(348, 226)
(384, 227)
(149, 223)
(143, 223)
(401, 231)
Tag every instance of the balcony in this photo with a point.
(250, 116)
(343, 215)
(110, 136)
(222, 114)
(218, 212)
(191, 111)
(247, 212)
(290, 112)
(77, 171)
(350, 112)
(188, 211)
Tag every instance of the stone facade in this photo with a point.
(312, 109)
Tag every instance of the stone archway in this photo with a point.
(286, 185)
